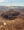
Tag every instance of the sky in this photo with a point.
(11, 2)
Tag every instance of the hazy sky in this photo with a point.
(12, 2)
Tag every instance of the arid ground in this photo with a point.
(16, 24)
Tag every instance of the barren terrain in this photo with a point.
(16, 24)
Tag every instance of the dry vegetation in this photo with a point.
(16, 24)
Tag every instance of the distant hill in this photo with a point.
(16, 8)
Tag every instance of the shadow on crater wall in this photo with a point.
(10, 15)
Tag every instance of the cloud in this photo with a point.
(1, 0)
(11, 3)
